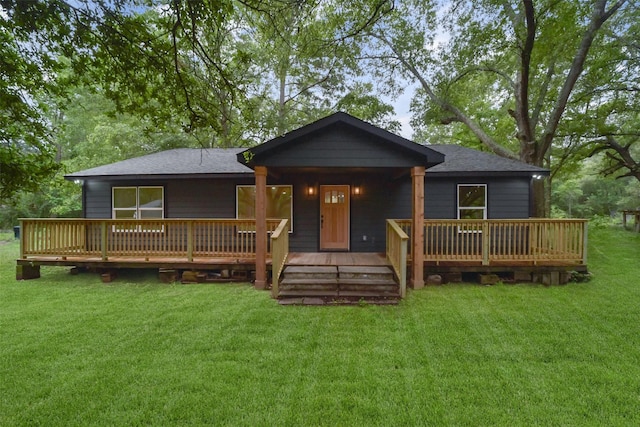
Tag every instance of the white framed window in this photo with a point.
(279, 202)
(138, 203)
(472, 201)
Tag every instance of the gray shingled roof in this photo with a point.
(184, 162)
(463, 160)
(180, 161)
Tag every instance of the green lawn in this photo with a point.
(74, 351)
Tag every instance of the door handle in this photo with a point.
(321, 221)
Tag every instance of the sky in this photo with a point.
(402, 114)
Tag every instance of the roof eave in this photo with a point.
(130, 177)
(493, 174)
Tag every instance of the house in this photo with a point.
(337, 181)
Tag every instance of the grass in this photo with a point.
(75, 351)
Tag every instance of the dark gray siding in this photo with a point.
(202, 198)
(190, 198)
(506, 197)
(368, 211)
(305, 218)
(382, 197)
(341, 146)
(440, 199)
(97, 199)
(509, 198)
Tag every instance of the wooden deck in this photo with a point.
(337, 259)
(197, 263)
(455, 246)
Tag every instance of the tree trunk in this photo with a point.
(282, 114)
(538, 208)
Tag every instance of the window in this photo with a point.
(279, 202)
(472, 201)
(334, 197)
(138, 203)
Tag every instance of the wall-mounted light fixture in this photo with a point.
(311, 190)
(357, 190)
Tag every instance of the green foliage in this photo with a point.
(361, 103)
(586, 194)
(511, 76)
(26, 153)
(222, 73)
(138, 352)
(88, 133)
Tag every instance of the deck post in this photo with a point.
(585, 236)
(103, 238)
(260, 173)
(190, 241)
(22, 238)
(485, 242)
(417, 228)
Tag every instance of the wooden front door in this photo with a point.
(334, 217)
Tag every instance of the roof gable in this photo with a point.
(340, 140)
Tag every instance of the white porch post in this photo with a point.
(417, 227)
(260, 173)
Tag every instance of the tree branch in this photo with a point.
(501, 73)
(598, 18)
(446, 106)
(525, 134)
(544, 89)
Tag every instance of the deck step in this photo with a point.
(367, 294)
(358, 285)
(310, 300)
(291, 284)
(364, 272)
(299, 293)
(365, 281)
(310, 272)
(308, 285)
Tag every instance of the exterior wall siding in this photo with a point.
(341, 146)
(97, 199)
(188, 198)
(199, 198)
(382, 197)
(507, 198)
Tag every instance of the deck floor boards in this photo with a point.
(294, 259)
(337, 258)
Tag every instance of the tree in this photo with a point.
(192, 65)
(305, 57)
(26, 153)
(506, 74)
(610, 99)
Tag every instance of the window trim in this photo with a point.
(289, 186)
(459, 208)
(137, 208)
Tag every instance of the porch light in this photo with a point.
(311, 190)
(357, 190)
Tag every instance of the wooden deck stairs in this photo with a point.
(342, 284)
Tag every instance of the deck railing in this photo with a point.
(170, 238)
(279, 253)
(488, 242)
(397, 241)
